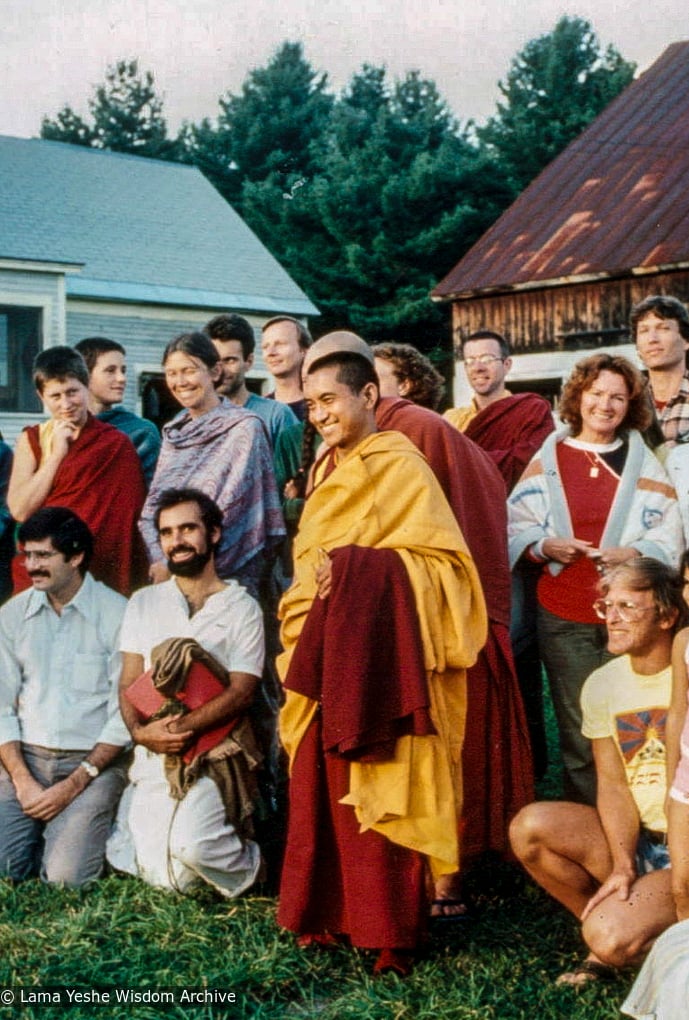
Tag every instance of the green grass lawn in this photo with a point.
(500, 966)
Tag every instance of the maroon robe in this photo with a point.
(496, 758)
(511, 431)
(373, 690)
(336, 879)
(101, 480)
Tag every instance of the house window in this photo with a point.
(20, 342)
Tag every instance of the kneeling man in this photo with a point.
(185, 819)
(61, 735)
(608, 864)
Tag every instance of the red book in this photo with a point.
(201, 686)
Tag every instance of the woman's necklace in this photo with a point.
(592, 458)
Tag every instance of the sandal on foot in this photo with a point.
(587, 972)
(460, 916)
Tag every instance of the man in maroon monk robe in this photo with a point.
(496, 757)
(76, 461)
(373, 794)
(511, 428)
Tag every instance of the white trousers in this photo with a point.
(176, 844)
(661, 990)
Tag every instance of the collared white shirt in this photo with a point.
(229, 625)
(59, 673)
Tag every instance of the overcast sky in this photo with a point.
(53, 52)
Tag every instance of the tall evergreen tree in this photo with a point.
(399, 188)
(555, 87)
(126, 116)
(271, 127)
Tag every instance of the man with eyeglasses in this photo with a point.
(510, 427)
(608, 865)
(61, 734)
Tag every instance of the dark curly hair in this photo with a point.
(639, 413)
(664, 307)
(426, 385)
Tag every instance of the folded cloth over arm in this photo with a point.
(385, 693)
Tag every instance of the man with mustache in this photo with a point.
(179, 823)
(61, 734)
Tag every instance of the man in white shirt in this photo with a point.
(61, 734)
(172, 841)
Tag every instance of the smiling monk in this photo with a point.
(384, 616)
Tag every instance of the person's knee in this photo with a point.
(612, 942)
(528, 831)
(188, 852)
(69, 877)
(70, 870)
(679, 883)
(614, 939)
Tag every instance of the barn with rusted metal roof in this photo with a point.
(605, 224)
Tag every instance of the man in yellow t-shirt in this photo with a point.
(608, 864)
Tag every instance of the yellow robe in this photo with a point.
(461, 416)
(385, 496)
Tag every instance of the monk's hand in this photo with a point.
(161, 735)
(290, 490)
(618, 884)
(565, 550)
(158, 572)
(64, 434)
(324, 575)
(53, 799)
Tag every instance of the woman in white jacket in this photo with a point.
(592, 497)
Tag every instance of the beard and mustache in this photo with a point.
(191, 567)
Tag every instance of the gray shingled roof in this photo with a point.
(144, 230)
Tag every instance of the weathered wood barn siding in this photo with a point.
(603, 226)
(570, 317)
